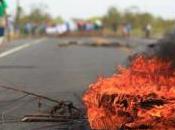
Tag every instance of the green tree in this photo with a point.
(145, 18)
(112, 19)
(58, 20)
(38, 16)
(94, 19)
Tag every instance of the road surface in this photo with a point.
(43, 67)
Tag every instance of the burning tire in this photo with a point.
(141, 96)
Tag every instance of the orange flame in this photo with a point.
(141, 96)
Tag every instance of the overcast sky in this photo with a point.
(87, 8)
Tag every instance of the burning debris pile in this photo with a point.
(141, 96)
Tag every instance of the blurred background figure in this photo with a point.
(147, 30)
(28, 29)
(126, 29)
(3, 19)
(123, 30)
(10, 27)
(98, 25)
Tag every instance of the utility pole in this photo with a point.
(18, 13)
(17, 9)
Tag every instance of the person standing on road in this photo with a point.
(129, 29)
(3, 19)
(148, 29)
(126, 29)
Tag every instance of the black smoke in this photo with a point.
(166, 47)
(163, 49)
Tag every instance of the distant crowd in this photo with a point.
(33, 29)
(57, 29)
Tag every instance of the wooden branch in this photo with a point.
(40, 96)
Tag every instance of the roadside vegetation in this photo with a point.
(112, 20)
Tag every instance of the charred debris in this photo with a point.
(62, 111)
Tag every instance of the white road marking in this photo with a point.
(16, 49)
(39, 41)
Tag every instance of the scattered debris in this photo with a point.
(62, 111)
(68, 43)
(95, 42)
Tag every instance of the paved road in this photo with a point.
(42, 67)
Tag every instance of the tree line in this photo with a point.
(114, 18)
(111, 20)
